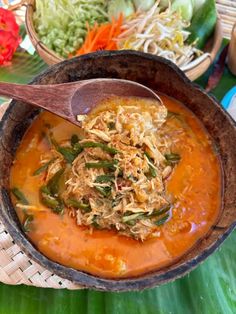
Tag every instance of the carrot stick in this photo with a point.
(101, 37)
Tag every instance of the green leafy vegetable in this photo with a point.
(19, 196)
(44, 167)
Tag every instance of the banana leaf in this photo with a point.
(209, 289)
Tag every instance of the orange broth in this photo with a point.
(195, 185)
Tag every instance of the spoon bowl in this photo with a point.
(71, 99)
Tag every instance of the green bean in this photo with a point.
(53, 183)
(105, 178)
(78, 205)
(68, 153)
(104, 147)
(152, 170)
(160, 211)
(44, 167)
(162, 220)
(102, 164)
(53, 203)
(138, 216)
(104, 190)
(127, 218)
(19, 196)
(172, 158)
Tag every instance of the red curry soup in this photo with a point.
(129, 192)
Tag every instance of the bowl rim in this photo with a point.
(92, 281)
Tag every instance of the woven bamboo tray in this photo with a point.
(195, 68)
(15, 267)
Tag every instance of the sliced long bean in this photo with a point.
(152, 170)
(104, 190)
(102, 164)
(172, 158)
(51, 202)
(162, 220)
(19, 196)
(43, 167)
(53, 183)
(105, 178)
(78, 205)
(104, 147)
(68, 153)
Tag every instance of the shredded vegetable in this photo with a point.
(61, 24)
(158, 32)
(102, 37)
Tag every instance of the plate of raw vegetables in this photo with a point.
(187, 32)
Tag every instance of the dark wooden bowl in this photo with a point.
(158, 74)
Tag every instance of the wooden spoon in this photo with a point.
(71, 99)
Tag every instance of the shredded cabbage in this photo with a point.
(61, 24)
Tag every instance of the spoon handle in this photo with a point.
(54, 98)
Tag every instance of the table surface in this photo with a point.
(211, 288)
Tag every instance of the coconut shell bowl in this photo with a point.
(157, 74)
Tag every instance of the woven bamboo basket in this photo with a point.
(195, 69)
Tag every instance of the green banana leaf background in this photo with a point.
(209, 289)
